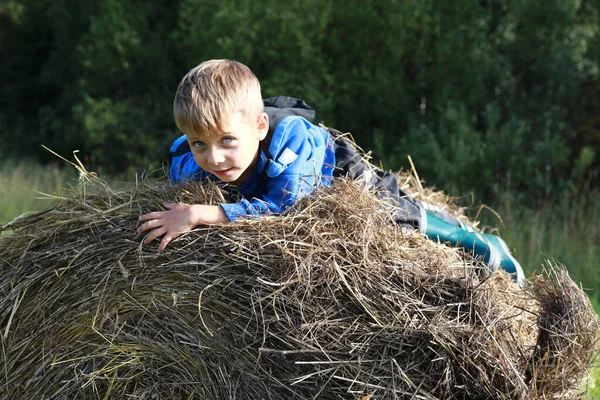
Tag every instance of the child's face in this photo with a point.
(231, 154)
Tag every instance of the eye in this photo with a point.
(228, 139)
(198, 144)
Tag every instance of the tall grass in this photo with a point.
(27, 187)
(568, 232)
(24, 187)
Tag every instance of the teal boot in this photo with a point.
(489, 248)
(507, 261)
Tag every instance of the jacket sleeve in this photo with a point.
(299, 153)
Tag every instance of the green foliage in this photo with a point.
(115, 130)
(501, 96)
(484, 95)
(278, 40)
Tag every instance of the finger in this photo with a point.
(155, 234)
(169, 206)
(152, 224)
(152, 215)
(165, 241)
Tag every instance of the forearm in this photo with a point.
(201, 214)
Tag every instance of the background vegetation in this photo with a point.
(485, 95)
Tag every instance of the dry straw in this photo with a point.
(327, 302)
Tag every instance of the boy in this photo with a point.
(272, 155)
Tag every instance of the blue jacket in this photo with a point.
(302, 160)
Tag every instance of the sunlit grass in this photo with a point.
(28, 187)
(568, 232)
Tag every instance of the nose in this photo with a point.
(215, 156)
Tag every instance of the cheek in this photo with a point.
(242, 156)
(200, 160)
(231, 155)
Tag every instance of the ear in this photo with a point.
(263, 126)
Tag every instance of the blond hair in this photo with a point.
(208, 93)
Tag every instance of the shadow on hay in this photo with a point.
(328, 302)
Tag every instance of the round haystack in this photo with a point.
(329, 301)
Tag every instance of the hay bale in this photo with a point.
(329, 301)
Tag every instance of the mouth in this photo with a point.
(223, 172)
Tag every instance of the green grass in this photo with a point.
(568, 232)
(24, 188)
(29, 187)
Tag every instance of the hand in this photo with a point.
(178, 219)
